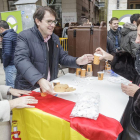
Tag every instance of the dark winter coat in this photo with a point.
(128, 37)
(8, 47)
(32, 58)
(110, 48)
(113, 38)
(123, 64)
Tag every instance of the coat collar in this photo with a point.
(9, 30)
(53, 36)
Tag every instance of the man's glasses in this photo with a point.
(51, 21)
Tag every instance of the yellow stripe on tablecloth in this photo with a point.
(35, 124)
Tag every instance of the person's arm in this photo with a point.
(23, 63)
(134, 45)
(4, 111)
(6, 106)
(21, 102)
(4, 90)
(123, 64)
(7, 45)
(65, 59)
(73, 62)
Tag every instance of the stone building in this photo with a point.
(67, 10)
(72, 10)
(8, 5)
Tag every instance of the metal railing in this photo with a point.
(64, 43)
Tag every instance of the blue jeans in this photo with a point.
(10, 75)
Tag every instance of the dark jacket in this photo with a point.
(110, 48)
(32, 58)
(123, 64)
(128, 37)
(113, 38)
(8, 47)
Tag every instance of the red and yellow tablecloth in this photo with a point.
(50, 120)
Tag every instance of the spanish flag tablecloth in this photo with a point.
(50, 120)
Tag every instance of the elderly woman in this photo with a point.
(7, 105)
(127, 66)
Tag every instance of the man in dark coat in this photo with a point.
(38, 53)
(114, 33)
(9, 41)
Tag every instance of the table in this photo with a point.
(112, 100)
(50, 119)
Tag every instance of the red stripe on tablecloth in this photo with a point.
(104, 128)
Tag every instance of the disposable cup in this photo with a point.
(96, 59)
(78, 72)
(83, 73)
(100, 75)
(89, 67)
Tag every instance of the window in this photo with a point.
(137, 6)
(131, 6)
(11, 5)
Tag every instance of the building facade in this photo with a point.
(67, 10)
(72, 10)
(8, 5)
(122, 5)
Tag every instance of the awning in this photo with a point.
(25, 2)
(99, 4)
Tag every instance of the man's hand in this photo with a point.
(16, 92)
(22, 102)
(85, 59)
(129, 89)
(45, 86)
(104, 54)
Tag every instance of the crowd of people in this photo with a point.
(127, 64)
(31, 58)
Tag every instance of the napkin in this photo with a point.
(87, 106)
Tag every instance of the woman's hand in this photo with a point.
(22, 102)
(16, 92)
(129, 89)
(104, 54)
